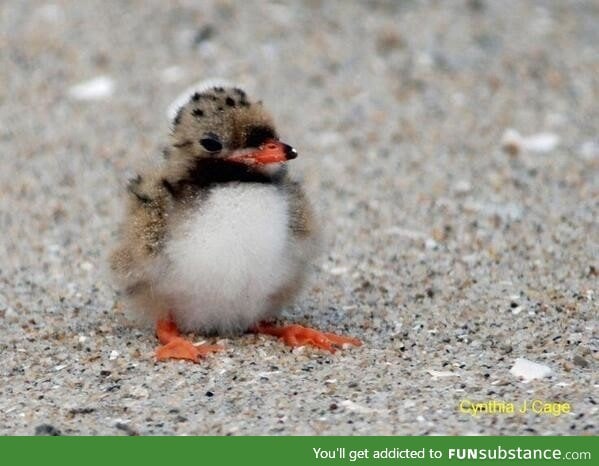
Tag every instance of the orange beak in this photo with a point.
(272, 151)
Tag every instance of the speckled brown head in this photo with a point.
(222, 123)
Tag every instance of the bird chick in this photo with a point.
(218, 238)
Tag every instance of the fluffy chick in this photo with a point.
(218, 238)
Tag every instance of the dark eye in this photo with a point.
(211, 143)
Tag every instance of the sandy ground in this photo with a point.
(449, 255)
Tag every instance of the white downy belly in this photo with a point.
(228, 258)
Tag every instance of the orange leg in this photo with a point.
(176, 347)
(296, 335)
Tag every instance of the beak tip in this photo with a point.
(290, 153)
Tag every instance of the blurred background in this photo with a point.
(452, 148)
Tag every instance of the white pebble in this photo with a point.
(94, 89)
(430, 243)
(437, 374)
(513, 141)
(529, 370)
(462, 187)
(351, 406)
(509, 211)
(119, 420)
(87, 266)
(541, 142)
(113, 355)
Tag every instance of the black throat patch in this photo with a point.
(209, 172)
